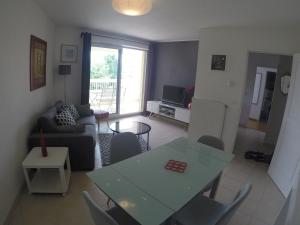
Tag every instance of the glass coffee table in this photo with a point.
(138, 128)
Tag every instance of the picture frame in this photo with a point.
(68, 53)
(218, 62)
(38, 61)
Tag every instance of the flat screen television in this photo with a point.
(174, 95)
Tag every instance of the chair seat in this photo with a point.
(200, 211)
(121, 217)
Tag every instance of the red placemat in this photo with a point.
(176, 166)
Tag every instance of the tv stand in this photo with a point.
(170, 111)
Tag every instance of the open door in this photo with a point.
(287, 153)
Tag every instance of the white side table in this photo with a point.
(51, 176)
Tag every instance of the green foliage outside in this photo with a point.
(108, 69)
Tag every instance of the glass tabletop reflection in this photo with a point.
(130, 126)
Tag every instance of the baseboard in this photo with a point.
(118, 116)
(169, 120)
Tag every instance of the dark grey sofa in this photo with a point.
(80, 139)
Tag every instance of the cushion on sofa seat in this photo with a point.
(74, 112)
(65, 118)
(72, 109)
(87, 120)
(84, 110)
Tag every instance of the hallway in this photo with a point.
(248, 139)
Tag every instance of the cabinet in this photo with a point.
(176, 113)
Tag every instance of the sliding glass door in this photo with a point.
(132, 81)
(104, 78)
(117, 79)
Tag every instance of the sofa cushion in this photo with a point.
(74, 112)
(72, 109)
(87, 120)
(65, 118)
(84, 110)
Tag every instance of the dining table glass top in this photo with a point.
(146, 174)
(137, 203)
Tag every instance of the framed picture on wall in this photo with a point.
(68, 53)
(38, 59)
(218, 62)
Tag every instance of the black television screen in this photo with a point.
(174, 95)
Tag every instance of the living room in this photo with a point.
(185, 37)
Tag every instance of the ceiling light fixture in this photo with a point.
(132, 7)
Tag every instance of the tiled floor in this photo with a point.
(260, 208)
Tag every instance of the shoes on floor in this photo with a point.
(258, 156)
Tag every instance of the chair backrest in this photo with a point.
(233, 206)
(212, 141)
(123, 146)
(100, 217)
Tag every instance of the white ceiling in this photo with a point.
(173, 19)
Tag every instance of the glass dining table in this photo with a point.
(151, 194)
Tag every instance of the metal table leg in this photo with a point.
(148, 141)
(215, 186)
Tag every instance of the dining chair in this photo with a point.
(212, 141)
(205, 211)
(218, 144)
(113, 216)
(123, 146)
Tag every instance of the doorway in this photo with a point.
(262, 98)
(117, 79)
(263, 104)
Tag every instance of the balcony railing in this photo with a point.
(103, 94)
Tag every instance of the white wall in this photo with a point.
(19, 107)
(69, 36)
(255, 109)
(228, 86)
